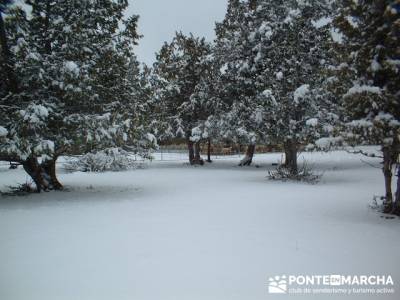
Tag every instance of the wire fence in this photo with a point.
(171, 155)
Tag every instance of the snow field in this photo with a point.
(172, 231)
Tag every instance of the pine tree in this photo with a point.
(238, 109)
(78, 84)
(274, 55)
(372, 102)
(206, 96)
(178, 71)
(290, 51)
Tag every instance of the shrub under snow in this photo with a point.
(304, 174)
(113, 159)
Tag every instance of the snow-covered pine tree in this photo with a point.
(289, 53)
(272, 54)
(207, 96)
(78, 92)
(178, 70)
(24, 118)
(372, 103)
(238, 104)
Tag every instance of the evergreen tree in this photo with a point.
(275, 53)
(238, 108)
(178, 71)
(207, 96)
(291, 53)
(372, 102)
(78, 84)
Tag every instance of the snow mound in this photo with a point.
(107, 160)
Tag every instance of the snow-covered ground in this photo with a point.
(172, 231)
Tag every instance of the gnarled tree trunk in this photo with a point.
(49, 168)
(248, 158)
(387, 173)
(291, 151)
(34, 169)
(43, 175)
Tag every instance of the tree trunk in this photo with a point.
(197, 156)
(191, 151)
(209, 151)
(12, 84)
(396, 206)
(387, 173)
(49, 167)
(248, 158)
(33, 168)
(43, 175)
(197, 151)
(291, 150)
(194, 153)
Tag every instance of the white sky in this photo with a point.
(159, 19)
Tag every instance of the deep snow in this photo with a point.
(172, 231)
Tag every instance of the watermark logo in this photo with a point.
(331, 284)
(277, 285)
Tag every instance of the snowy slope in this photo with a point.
(172, 231)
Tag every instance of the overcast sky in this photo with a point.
(159, 19)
